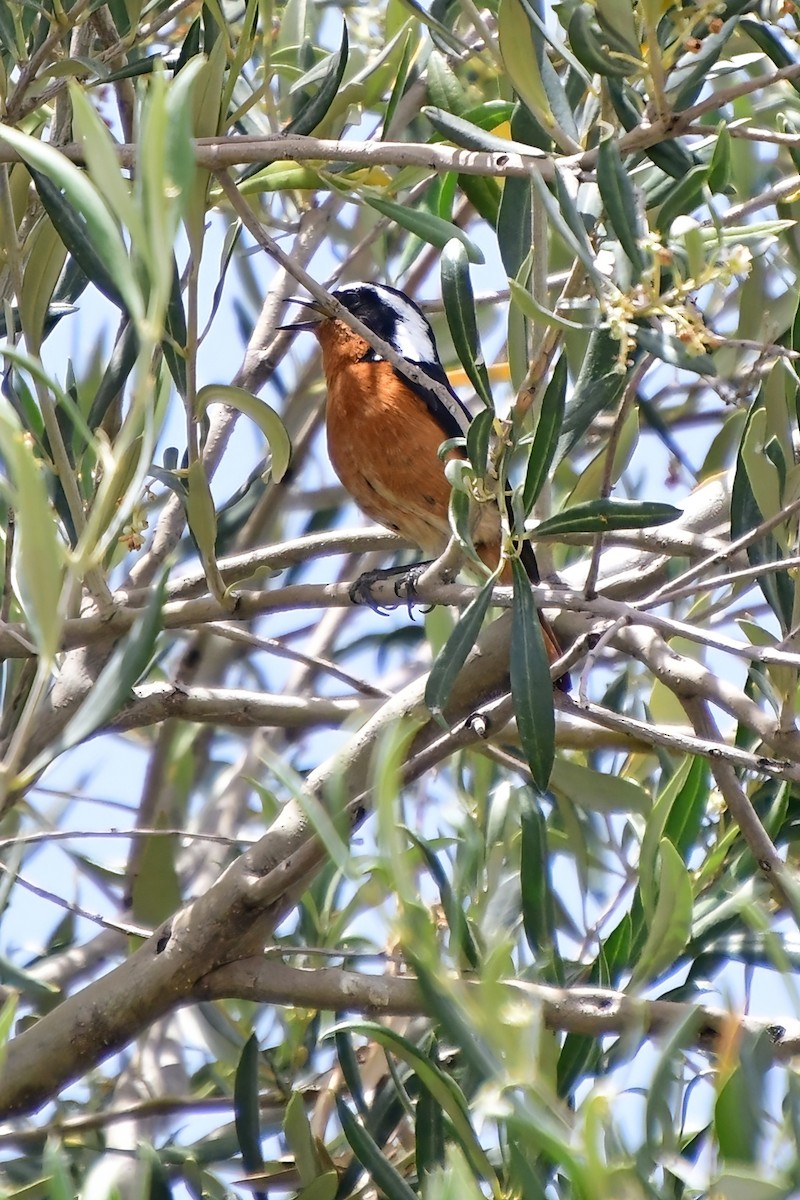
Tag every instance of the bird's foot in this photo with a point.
(405, 587)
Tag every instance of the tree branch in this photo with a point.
(595, 1012)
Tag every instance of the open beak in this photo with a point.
(308, 325)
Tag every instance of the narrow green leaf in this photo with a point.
(616, 18)
(521, 60)
(300, 1139)
(45, 253)
(592, 51)
(471, 136)
(528, 305)
(596, 475)
(429, 1135)
(246, 1113)
(566, 221)
(545, 440)
(348, 1065)
(425, 225)
(621, 207)
(56, 1167)
(531, 687)
(686, 82)
(597, 791)
(671, 925)
(778, 588)
(720, 168)
(670, 155)
(546, 42)
(459, 307)
(102, 161)
(738, 1118)
(120, 364)
(72, 230)
(313, 112)
(580, 1055)
(761, 472)
(600, 516)
(671, 350)
(444, 88)
(40, 994)
(484, 195)
(264, 417)
(453, 654)
(174, 344)
(324, 1187)
(685, 195)
(100, 229)
(538, 911)
(514, 225)
(440, 34)
(38, 554)
(462, 942)
(655, 830)
(178, 145)
(7, 1016)
(617, 949)
(279, 177)
(202, 520)
(441, 1086)
(769, 44)
(688, 809)
(384, 1175)
(400, 80)
(479, 438)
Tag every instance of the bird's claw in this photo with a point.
(360, 592)
(405, 587)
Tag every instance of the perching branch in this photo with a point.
(595, 1012)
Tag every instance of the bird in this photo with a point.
(384, 431)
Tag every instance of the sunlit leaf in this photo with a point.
(425, 225)
(38, 560)
(669, 929)
(453, 655)
(98, 226)
(315, 109)
(459, 307)
(600, 516)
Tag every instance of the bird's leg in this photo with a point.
(404, 588)
(443, 569)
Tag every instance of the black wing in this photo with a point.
(455, 418)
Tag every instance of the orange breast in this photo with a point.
(383, 444)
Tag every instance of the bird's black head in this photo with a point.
(394, 317)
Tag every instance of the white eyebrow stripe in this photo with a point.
(413, 337)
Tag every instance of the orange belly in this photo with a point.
(383, 445)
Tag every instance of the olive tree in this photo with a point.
(308, 897)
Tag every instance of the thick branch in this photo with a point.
(595, 1012)
(234, 707)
